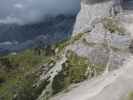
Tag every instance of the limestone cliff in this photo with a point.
(90, 11)
(102, 35)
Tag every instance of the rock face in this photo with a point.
(107, 44)
(92, 18)
(92, 10)
(107, 35)
(89, 12)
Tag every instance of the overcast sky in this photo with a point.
(32, 10)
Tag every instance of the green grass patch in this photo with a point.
(61, 45)
(74, 70)
(18, 74)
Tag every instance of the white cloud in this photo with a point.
(20, 6)
(32, 10)
(10, 19)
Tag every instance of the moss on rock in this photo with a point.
(113, 26)
(130, 96)
(61, 45)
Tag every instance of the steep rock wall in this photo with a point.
(91, 11)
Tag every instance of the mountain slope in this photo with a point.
(107, 44)
(94, 64)
(19, 37)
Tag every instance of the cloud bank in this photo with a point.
(25, 11)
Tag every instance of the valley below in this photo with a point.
(86, 56)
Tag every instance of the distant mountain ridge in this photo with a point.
(52, 28)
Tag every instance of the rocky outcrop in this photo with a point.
(106, 47)
(90, 12)
(106, 41)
